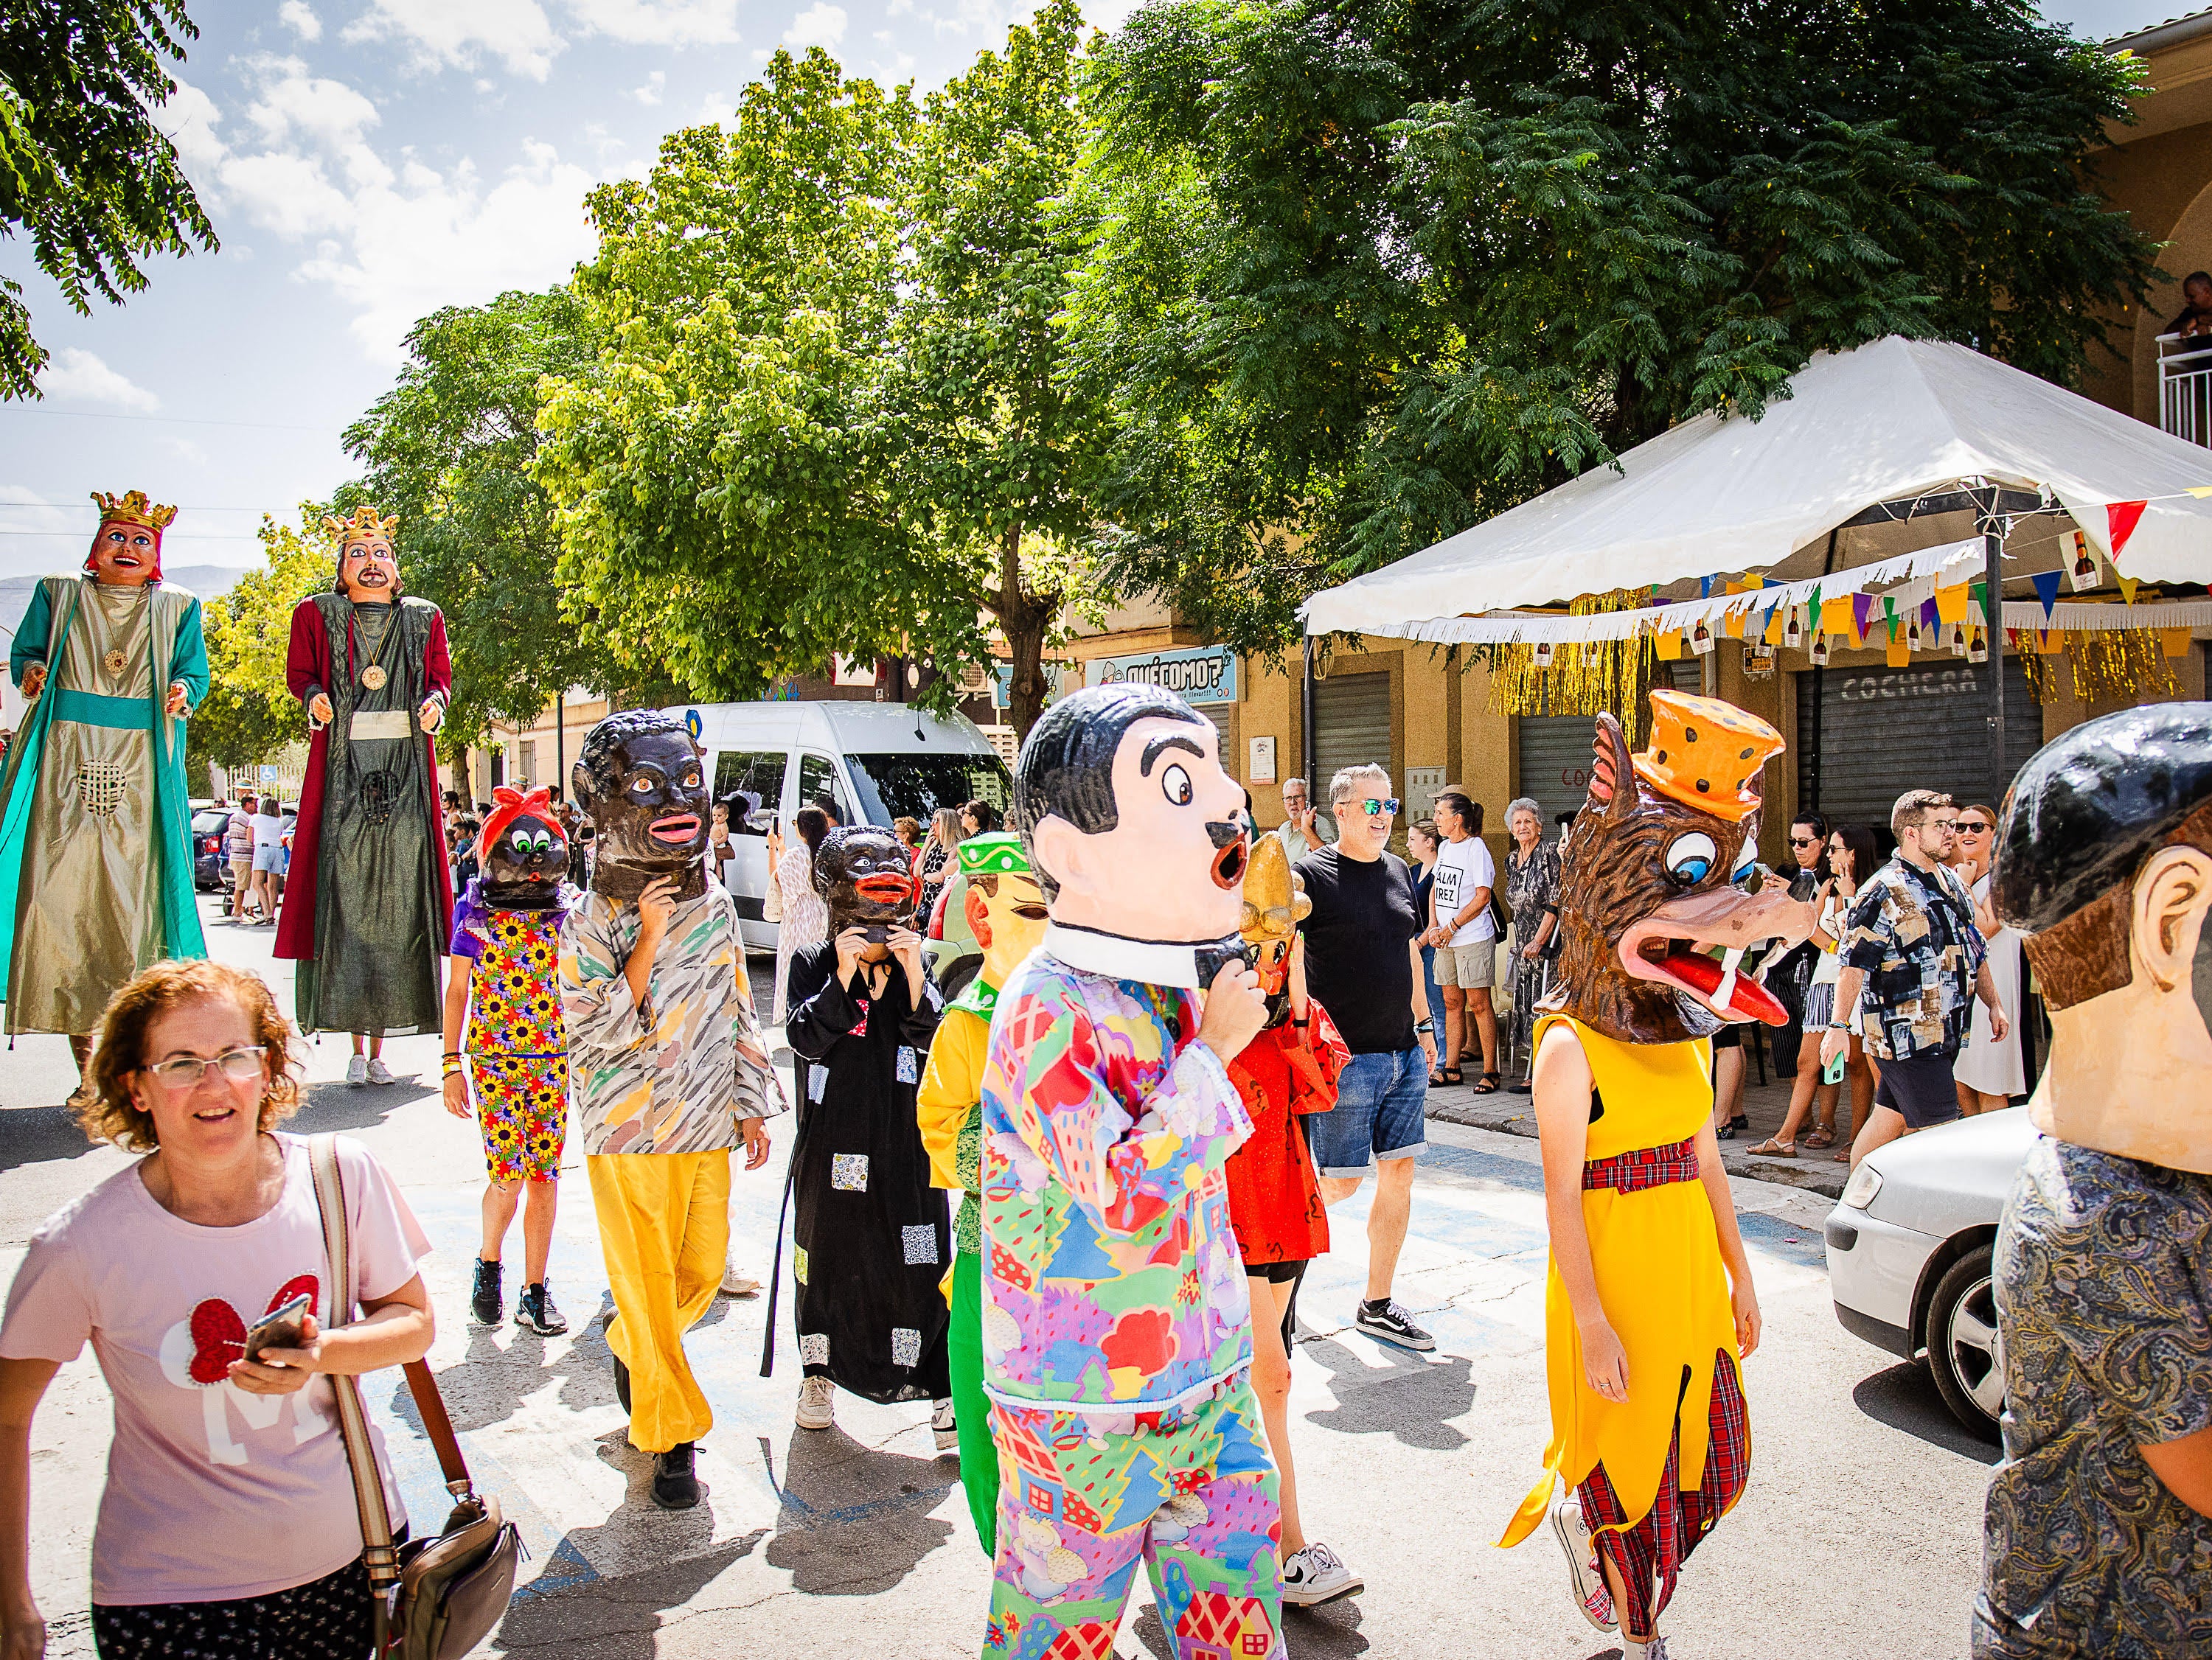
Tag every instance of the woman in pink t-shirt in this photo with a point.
(227, 1524)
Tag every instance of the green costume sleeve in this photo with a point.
(31, 634)
(188, 661)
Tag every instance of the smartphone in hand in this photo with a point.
(280, 1328)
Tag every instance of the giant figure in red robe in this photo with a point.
(367, 905)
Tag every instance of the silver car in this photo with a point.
(1908, 1250)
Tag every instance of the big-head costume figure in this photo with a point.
(2097, 1539)
(666, 1066)
(368, 904)
(1116, 1323)
(871, 1236)
(1005, 909)
(1649, 1305)
(95, 843)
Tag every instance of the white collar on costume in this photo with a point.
(1150, 962)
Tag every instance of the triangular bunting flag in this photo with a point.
(1813, 613)
(2200, 491)
(2127, 591)
(1861, 611)
(1704, 587)
(2047, 589)
(2120, 517)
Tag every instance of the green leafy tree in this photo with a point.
(1368, 271)
(249, 714)
(449, 452)
(84, 170)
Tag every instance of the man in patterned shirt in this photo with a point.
(1116, 1325)
(1913, 962)
(2098, 1537)
(667, 1068)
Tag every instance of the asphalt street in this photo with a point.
(1859, 1533)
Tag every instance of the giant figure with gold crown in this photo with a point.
(95, 840)
(1650, 1306)
(368, 908)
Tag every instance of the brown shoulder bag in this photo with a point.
(437, 1598)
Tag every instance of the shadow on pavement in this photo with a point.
(340, 1106)
(618, 1619)
(854, 1519)
(40, 1135)
(1903, 1397)
(1327, 1633)
(1415, 1400)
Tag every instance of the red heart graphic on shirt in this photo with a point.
(219, 1334)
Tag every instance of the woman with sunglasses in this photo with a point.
(1808, 851)
(1989, 1072)
(228, 1524)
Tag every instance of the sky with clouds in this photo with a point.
(366, 162)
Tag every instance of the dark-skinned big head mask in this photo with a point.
(524, 853)
(641, 780)
(866, 877)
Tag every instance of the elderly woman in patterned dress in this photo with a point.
(1532, 893)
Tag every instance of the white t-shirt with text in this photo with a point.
(1461, 868)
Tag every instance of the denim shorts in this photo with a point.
(1378, 1114)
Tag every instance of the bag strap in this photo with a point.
(378, 1555)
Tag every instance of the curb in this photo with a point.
(1516, 1117)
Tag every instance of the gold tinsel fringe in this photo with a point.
(1584, 678)
(2110, 665)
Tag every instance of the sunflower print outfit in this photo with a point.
(516, 1037)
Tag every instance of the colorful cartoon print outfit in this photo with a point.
(1283, 1074)
(1117, 1322)
(1190, 1492)
(949, 1110)
(1656, 1471)
(516, 1038)
(872, 1237)
(2107, 1322)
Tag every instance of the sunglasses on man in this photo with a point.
(1371, 807)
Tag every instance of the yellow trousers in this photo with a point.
(665, 1227)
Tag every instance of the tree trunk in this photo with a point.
(1024, 619)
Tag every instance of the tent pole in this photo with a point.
(1305, 724)
(1993, 527)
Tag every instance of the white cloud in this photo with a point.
(820, 25)
(458, 34)
(76, 376)
(659, 22)
(655, 84)
(393, 243)
(189, 119)
(296, 16)
(187, 451)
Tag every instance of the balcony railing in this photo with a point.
(2185, 387)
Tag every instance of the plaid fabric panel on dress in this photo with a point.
(1647, 1167)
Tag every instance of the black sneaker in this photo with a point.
(1388, 1321)
(675, 1484)
(485, 1301)
(534, 1310)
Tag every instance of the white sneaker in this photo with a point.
(817, 1403)
(379, 1072)
(736, 1282)
(1316, 1574)
(1654, 1650)
(943, 1425)
(357, 1070)
(1593, 1597)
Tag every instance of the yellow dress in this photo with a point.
(1659, 1278)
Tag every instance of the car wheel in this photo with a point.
(1965, 1350)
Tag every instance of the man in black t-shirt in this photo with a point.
(1363, 962)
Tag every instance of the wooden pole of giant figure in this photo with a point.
(2097, 1539)
(95, 843)
(368, 906)
(1651, 1307)
(1117, 1323)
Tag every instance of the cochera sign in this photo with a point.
(1202, 674)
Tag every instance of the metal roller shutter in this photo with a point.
(1351, 728)
(1553, 753)
(1883, 731)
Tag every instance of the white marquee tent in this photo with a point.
(1887, 422)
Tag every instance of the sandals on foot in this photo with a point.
(1733, 1128)
(1775, 1147)
(1442, 1075)
(1822, 1138)
(1487, 1083)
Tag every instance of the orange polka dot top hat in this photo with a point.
(1707, 753)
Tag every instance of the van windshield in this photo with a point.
(915, 786)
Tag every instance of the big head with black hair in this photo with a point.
(639, 776)
(2103, 859)
(1132, 828)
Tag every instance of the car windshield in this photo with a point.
(210, 818)
(916, 786)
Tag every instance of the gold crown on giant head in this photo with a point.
(134, 508)
(364, 524)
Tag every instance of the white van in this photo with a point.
(872, 762)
